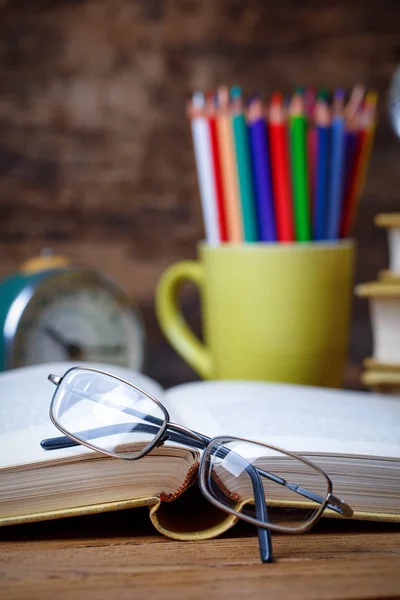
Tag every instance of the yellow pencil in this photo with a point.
(371, 101)
(229, 169)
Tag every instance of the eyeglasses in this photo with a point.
(251, 480)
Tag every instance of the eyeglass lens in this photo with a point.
(233, 465)
(107, 413)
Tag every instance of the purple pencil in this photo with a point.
(261, 171)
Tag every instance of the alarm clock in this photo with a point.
(53, 311)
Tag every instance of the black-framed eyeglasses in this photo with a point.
(251, 480)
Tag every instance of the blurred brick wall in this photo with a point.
(95, 155)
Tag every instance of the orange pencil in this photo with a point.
(361, 161)
(228, 167)
(281, 170)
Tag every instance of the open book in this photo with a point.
(353, 436)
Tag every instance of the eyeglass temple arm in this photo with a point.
(264, 535)
(64, 441)
(334, 503)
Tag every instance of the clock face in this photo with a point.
(77, 315)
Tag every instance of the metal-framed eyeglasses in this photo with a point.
(269, 487)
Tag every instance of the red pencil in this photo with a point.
(352, 113)
(361, 159)
(281, 170)
(216, 161)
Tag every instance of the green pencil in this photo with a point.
(298, 152)
(243, 160)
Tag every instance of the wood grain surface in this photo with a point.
(118, 556)
(95, 152)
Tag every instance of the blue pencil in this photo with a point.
(322, 119)
(261, 172)
(337, 168)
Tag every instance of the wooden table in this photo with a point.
(118, 555)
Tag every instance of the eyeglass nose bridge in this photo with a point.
(193, 435)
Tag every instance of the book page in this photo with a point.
(22, 446)
(26, 393)
(297, 418)
(25, 396)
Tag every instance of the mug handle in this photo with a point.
(171, 320)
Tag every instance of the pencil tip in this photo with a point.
(322, 113)
(255, 110)
(371, 98)
(198, 99)
(296, 106)
(223, 96)
(236, 92)
(339, 94)
(323, 94)
(277, 98)
(359, 89)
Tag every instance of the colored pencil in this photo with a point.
(309, 105)
(229, 168)
(355, 101)
(280, 170)
(219, 190)
(203, 158)
(369, 122)
(311, 162)
(336, 176)
(362, 156)
(322, 120)
(309, 102)
(351, 179)
(261, 171)
(243, 162)
(289, 170)
(300, 188)
(323, 95)
(350, 145)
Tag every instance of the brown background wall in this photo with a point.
(95, 155)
